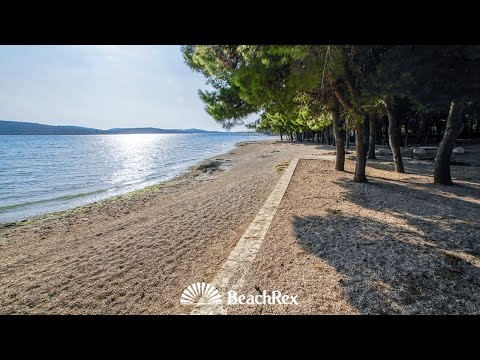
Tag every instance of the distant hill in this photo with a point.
(28, 128)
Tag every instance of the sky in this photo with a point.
(102, 86)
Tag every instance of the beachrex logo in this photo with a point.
(201, 294)
(207, 294)
(275, 297)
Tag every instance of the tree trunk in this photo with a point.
(366, 132)
(385, 133)
(361, 158)
(441, 174)
(328, 137)
(359, 145)
(339, 141)
(372, 138)
(420, 129)
(399, 132)
(405, 142)
(379, 127)
(281, 137)
(393, 138)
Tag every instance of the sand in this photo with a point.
(136, 254)
(396, 245)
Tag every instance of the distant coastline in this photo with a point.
(30, 128)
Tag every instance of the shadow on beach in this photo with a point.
(424, 260)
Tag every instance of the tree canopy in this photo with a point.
(298, 88)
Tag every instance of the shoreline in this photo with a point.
(184, 175)
(136, 254)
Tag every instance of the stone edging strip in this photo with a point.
(231, 275)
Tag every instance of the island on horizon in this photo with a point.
(8, 127)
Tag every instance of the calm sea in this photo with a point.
(40, 174)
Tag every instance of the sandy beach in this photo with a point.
(137, 253)
(344, 248)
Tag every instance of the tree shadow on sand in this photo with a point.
(424, 260)
(388, 273)
(425, 168)
(446, 215)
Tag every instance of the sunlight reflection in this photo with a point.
(136, 153)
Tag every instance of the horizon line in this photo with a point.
(123, 128)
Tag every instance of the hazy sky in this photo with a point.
(101, 86)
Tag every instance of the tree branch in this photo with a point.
(345, 103)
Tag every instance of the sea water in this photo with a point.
(41, 174)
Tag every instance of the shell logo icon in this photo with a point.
(201, 293)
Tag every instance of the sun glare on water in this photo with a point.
(136, 153)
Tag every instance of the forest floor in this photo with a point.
(398, 244)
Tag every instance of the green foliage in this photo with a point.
(285, 85)
(293, 87)
(429, 76)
